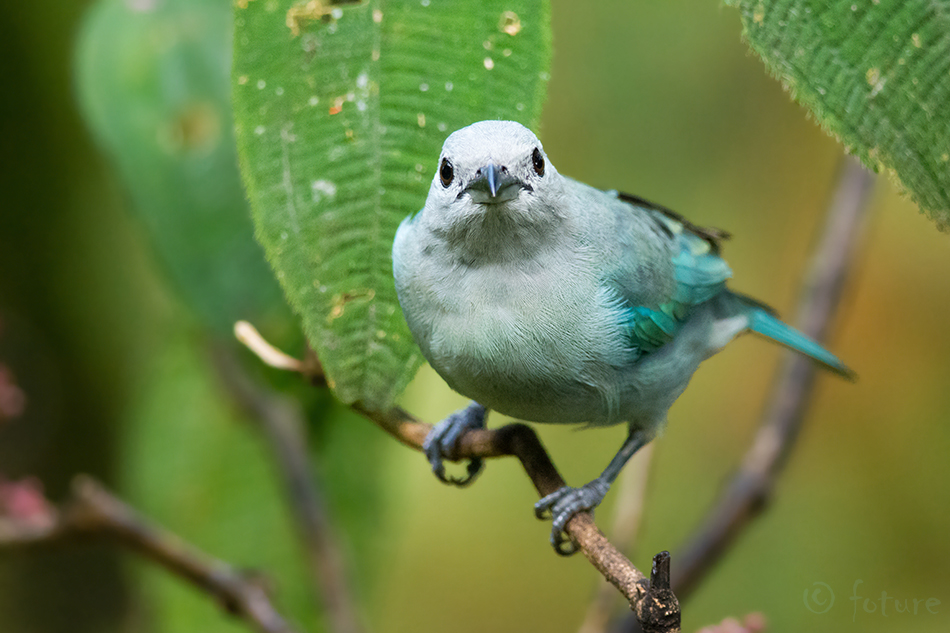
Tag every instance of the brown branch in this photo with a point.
(284, 427)
(92, 511)
(747, 495)
(652, 601)
(520, 441)
(623, 534)
(654, 605)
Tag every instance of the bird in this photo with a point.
(551, 301)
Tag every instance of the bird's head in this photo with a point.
(493, 177)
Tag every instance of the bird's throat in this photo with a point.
(499, 235)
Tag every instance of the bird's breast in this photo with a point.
(542, 341)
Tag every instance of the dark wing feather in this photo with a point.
(711, 234)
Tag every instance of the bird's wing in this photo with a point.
(711, 234)
(700, 274)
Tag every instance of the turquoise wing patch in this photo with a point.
(700, 275)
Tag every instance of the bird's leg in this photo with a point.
(565, 502)
(442, 439)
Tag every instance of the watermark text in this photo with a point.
(820, 598)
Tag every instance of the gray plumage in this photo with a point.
(550, 301)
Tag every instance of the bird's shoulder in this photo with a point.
(675, 224)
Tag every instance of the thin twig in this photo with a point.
(309, 367)
(248, 335)
(623, 534)
(748, 494)
(520, 441)
(651, 601)
(282, 422)
(92, 511)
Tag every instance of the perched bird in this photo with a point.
(550, 301)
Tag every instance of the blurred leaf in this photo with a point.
(201, 468)
(203, 472)
(152, 79)
(340, 117)
(875, 74)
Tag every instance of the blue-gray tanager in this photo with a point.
(550, 301)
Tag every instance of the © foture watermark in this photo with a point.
(820, 598)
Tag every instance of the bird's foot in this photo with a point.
(564, 503)
(443, 438)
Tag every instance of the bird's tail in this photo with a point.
(762, 320)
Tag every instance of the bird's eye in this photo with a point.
(538, 161)
(446, 173)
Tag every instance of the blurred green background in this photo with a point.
(661, 99)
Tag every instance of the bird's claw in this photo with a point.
(442, 440)
(564, 503)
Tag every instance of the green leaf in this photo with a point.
(875, 73)
(340, 114)
(153, 85)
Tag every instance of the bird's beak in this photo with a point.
(493, 184)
